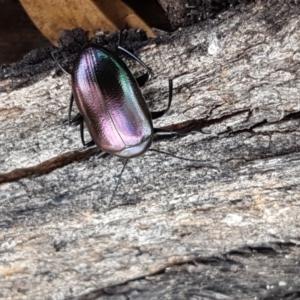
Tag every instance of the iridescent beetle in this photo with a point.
(111, 103)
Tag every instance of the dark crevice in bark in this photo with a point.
(183, 129)
(48, 165)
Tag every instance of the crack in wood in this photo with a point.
(48, 165)
(182, 128)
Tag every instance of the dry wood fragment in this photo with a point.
(176, 229)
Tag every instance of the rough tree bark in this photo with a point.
(223, 227)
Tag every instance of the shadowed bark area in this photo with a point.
(218, 277)
(224, 226)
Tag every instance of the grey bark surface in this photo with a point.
(182, 13)
(223, 227)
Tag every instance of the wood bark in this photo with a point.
(181, 13)
(223, 225)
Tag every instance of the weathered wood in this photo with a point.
(222, 228)
(182, 13)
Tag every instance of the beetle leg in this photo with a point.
(78, 118)
(70, 108)
(158, 114)
(141, 80)
(100, 154)
(144, 78)
(90, 143)
(158, 131)
(166, 132)
(60, 66)
(117, 185)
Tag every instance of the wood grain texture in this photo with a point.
(223, 227)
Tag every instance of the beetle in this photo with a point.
(111, 104)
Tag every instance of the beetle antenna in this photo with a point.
(60, 66)
(117, 185)
(204, 164)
